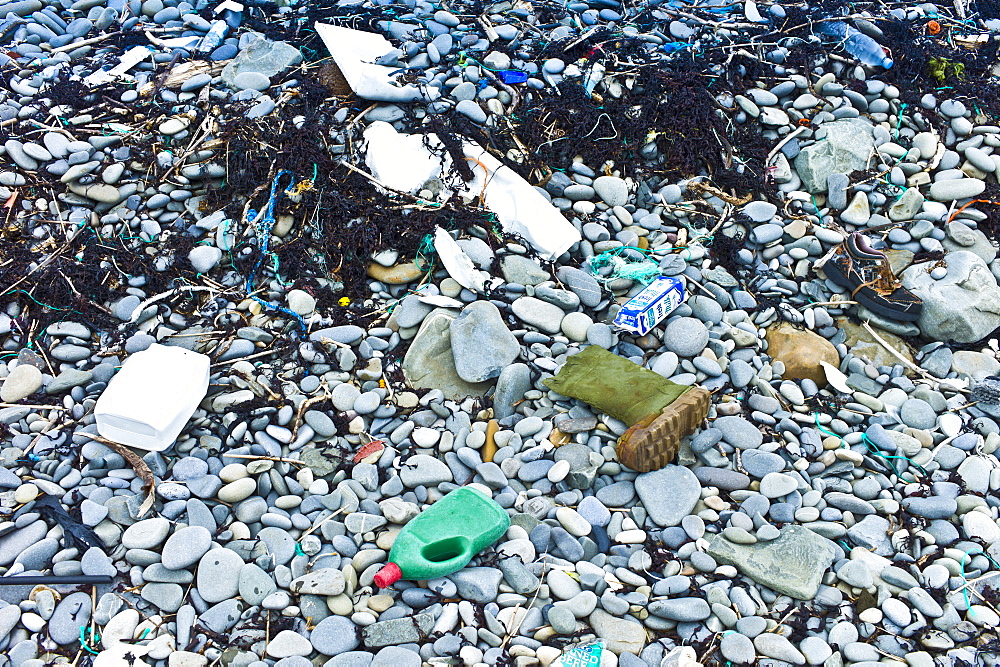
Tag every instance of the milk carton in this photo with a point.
(643, 311)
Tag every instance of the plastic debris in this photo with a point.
(444, 537)
(858, 44)
(150, 400)
(355, 53)
(584, 655)
(459, 266)
(404, 163)
(647, 308)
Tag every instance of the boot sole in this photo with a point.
(837, 276)
(653, 442)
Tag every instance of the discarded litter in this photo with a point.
(444, 537)
(355, 53)
(648, 308)
(658, 411)
(404, 163)
(584, 655)
(858, 44)
(148, 402)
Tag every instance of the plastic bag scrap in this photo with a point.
(80, 535)
(458, 264)
(403, 162)
(585, 655)
(355, 53)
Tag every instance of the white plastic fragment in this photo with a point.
(228, 5)
(122, 655)
(519, 207)
(403, 162)
(836, 379)
(355, 53)
(440, 301)
(459, 265)
(128, 60)
(751, 12)
(148, 402)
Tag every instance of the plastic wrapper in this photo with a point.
(584, 655)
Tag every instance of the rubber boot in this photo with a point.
(653, 442)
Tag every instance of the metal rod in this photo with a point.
(50, 579)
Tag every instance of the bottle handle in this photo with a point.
(448, 550)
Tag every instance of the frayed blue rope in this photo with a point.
(263, 230)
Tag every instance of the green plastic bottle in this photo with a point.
(443, 538)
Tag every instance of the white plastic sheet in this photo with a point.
(127, 61)
(402, 162)
(355, 53)
(519, 207)
(458, 264)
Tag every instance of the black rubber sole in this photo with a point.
(837, 276)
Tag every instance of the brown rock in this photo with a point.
(801, 351)
(899, 260)
(863, 345)
(404, 272)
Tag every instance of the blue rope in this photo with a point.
(263, 230)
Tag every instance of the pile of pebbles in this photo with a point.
(831, 515)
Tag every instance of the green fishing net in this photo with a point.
(642, 269)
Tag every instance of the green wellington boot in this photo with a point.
(661, 412)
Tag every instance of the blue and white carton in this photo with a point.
(647, 308)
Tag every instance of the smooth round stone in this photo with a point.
(185, 547)
(251, 81)
(367, 402)
(686, 336)
(219, 575)
(613, 190)
(22, 382)
(204, 258)
(576, 326)
(961, 188)
(737, 648)
(300, 301)
(334, 635)
(26, 493)
(239, 490)
(571, 520)
(553, 66)
(760, 211)
(917, 413)
(173, 126)
(776, 485)
(146, 534)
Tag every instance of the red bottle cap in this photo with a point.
(388, 575)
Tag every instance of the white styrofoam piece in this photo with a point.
(355, 53)
(403, 162)
(148, 402)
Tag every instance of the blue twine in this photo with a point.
(263, 229)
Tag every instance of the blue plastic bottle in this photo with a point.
(858, 44)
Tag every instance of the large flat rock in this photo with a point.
(793, 564)
(429, 363)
